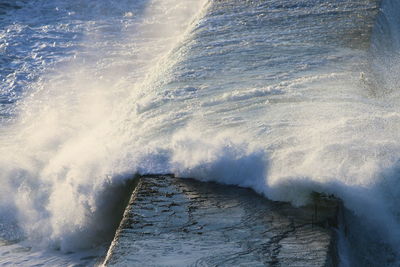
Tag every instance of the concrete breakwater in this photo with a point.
(183, 222)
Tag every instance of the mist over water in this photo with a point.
(285, 98)
(76, 131)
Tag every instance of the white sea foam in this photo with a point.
(76, 130)
(147, 88)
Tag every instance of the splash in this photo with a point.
(71, 146)
(183, 87)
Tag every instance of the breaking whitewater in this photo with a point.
(284, 97)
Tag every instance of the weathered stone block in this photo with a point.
(183, 222)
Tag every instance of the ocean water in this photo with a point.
(285, 97)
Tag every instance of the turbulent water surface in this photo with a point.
(282, 96)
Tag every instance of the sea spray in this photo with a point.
(282, 98)
(336, 132)
(75, 130)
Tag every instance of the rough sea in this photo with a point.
(286, 97)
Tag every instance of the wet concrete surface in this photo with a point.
(182, 222)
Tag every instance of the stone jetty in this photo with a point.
(182, 222)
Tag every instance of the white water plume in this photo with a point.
(259, 96)
(78, 126)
